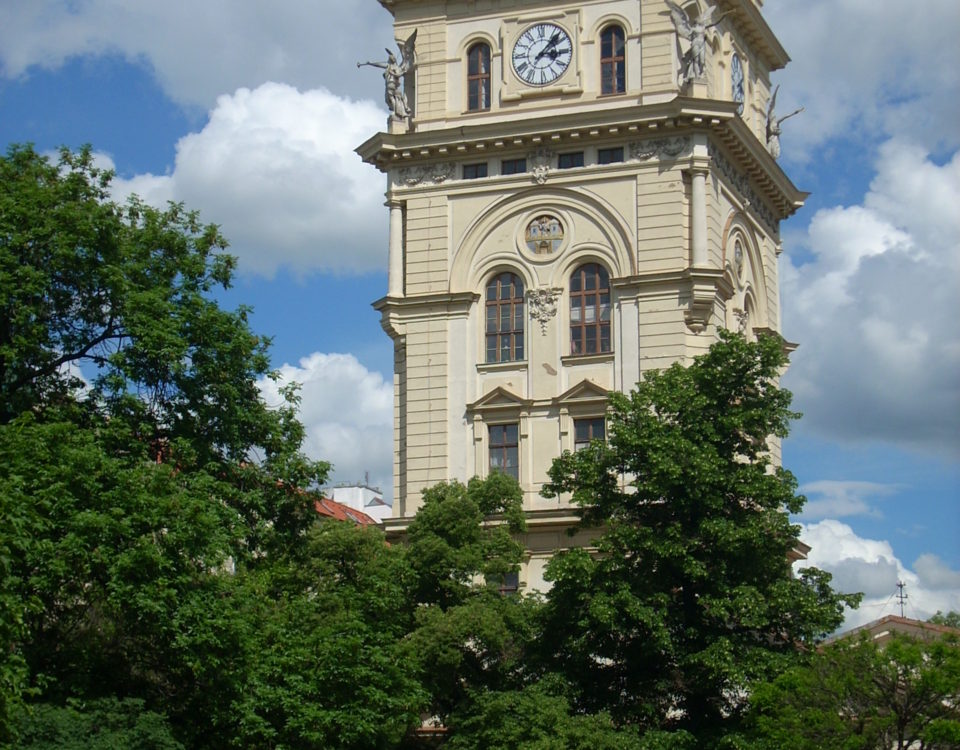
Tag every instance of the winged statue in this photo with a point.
(393, 74)
(773, 124)
(695, 32)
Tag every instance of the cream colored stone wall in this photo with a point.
(636, 218)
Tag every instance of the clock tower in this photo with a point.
(579, 192)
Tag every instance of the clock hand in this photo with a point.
(554, 40)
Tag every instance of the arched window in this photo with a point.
(589, 310)
(504, 311)
(478, 77)
(613, 77)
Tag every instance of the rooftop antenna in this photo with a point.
(901, 596)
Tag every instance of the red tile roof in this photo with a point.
(332, 509)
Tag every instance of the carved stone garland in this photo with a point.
(431, 174)
(543, 305)
(662, 148)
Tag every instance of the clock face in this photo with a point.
(542, 54)
(736, 82)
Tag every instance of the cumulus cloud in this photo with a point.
(870, 566)
(936, 574)
(869, 68)
(873, 309)
(200, 50)
(275, 167)
(829, 498)
(347, 411)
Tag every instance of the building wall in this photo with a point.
(640, 218)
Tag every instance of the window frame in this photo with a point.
(616, 64)
(601, 328)
(591, 423)
(478, 171)
(514, 166)
(573, 156)
(611, 155)
(478, 74)
(502, 447)
(516, 305)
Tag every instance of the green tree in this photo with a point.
(858, 694)
(951, 619)
(104, 724)
(159, 552)
(689, 601)
(466, 636)
(535, 717)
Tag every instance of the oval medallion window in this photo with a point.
(544, 235)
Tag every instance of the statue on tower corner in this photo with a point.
(773, 125)
(394, 73)
(695, 32)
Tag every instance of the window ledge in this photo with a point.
(520, 364)
(587, 359)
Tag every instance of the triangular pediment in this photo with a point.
(498, 398)
(584, 392)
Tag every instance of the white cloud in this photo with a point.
(200, 50)
(870, 566)
(869, 67)
(838, 498)
(874, 309)
(935, 573)
(275, 168)
(347, 411)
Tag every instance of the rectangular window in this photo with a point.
(513, 166)
(585, 430)
(474, 171)
(568, 161)
(609, 155)
(504, 449)
(510, 584)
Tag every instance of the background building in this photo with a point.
(578, 193)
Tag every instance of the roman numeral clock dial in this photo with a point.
(542, 54)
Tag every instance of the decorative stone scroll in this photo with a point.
(431, 174)
(540, 163)
(543, 305)
(663, 148)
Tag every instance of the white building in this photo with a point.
(583, 191)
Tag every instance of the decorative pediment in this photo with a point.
(499, 399)
(586, 393)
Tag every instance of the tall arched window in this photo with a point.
(590, 310)
(478, 77)
(504, 311)
(613, 76)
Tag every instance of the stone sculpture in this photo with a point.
(773, 125)
(695, 32)
(394, 72)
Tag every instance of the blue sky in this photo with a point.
(250, 111)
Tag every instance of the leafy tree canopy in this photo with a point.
(951, 619)
(864, 695)
(159, 553)
(690, 600)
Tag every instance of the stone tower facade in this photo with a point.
(579, 192)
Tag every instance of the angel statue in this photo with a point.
(393, 75)
(695, 32)
(773, 125)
